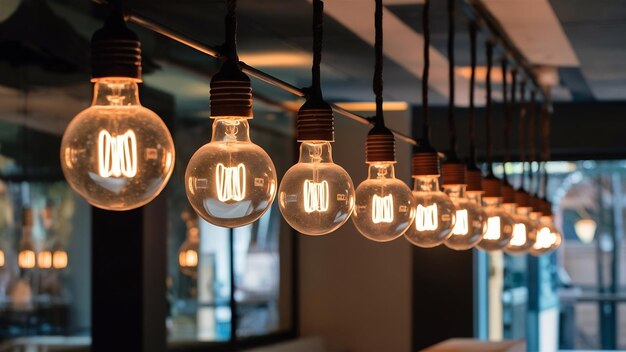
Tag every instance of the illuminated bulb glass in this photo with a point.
(60, 259)
(548, 238)
(471, 220)
(2, 260)
(524, 230)
(384, 207)
(188, 257)
(230, 181)
(434, 213)
(26, 258)
(44, 259)
(117, 154)
(316, 196)
(499, 226)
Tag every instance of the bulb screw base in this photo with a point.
(231, 92)
(454, 172)
(535, 202)
(546, 207)
(115, 50)
(380, 145)
(425, 161)
(522, 198)
(474, 179)
(315, 121)
(492, 187)
(508, 193)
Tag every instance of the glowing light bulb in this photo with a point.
(2, 259)
(471, 220)
(188, 257)
(586, 230)
(316, 196)
(117, 154)
(384, 207)
(60, 259)
(435, 213)
(499, 226)
(524, 230)
(44, 259)
(548, 238)
(26, 257)
(230, 181)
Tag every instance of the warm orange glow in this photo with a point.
(371, 106)
(60, 259)
(277, 59)
(1, 258)
(481, 74)
(188, 259)
(26, 259)
(44, 259)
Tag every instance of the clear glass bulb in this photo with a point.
(524, 230)
(60, 258)
(2, 258)
(499, 226)
(26, 258)
(471, 220)
(230, 181)
(548, 238)
(44, 259)
(316, 196)
(188, 253)
(435, 213)
(384, 205)
(117, 154)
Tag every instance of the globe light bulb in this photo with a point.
(60, 259)
(435, 213)
(548, 238)
(316, 196)
(117, 154)
(230, 181)
(585, 230)
(2, 259)
(26, 258)
(384, 207)
(471, 219)
(44, 259)
(524, 230)
(499, 226)
(188, 257)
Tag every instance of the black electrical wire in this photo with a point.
(426, 31)
(522, 131)
(545, 129)
(488, 108)
(531, 140)
(472, 109)
(231, 31)
(318, 21)
(507, 118)
(378, 66)
(451, 122)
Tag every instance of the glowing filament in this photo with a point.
(315, 196)
(59, 259)
(461, 226)
(519, 235)
(117, 155)
(26, 259)
(493, 229)
(544, 238)
(44, 259)
(426, 218)
(230, 182)
(1, 258)
(188, 258)
(382, 209)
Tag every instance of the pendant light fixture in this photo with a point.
(117, 154)
(499, 222)
(434, 211)
(384, 207)
(471, 220)
(230, 181)
(316, 196)
(524, 230)
(26, 258)
(188, 253)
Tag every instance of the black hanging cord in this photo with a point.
(512, 105)
(545, 129)
(378, 68)
(522, 131)
(318, 20)
(426, 30)
(472, 110)
(531, 140)
(507, 117)
(231, 32)
(489, 119)
(451, 122)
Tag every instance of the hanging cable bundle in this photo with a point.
(491, 185)
(474, 174)
(522, 198)
(508, 196)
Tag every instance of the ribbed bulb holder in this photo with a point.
(474, 180)
(380, 145)
(522, 198)
(492, 187)
(425, 162)
(546, 207)
(454, 172)
(316, 121)
(535, 202)
(115, 50)
(231, 92)
(508, 193)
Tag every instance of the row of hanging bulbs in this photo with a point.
(119, 155)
